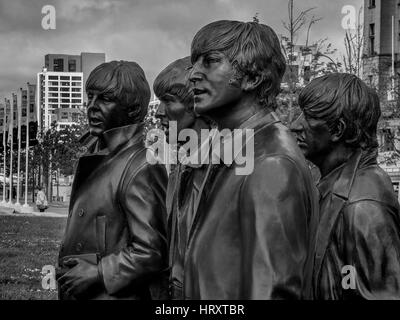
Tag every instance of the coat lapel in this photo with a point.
(340, 195)
(260, 120)
(116, 139)
(86, 165)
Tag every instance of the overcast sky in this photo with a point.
(150, 32)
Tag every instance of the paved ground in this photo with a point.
(54, 210)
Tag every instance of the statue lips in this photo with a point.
(95, 121)
(198, 92)
(301, 143)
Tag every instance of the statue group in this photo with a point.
(201, 231)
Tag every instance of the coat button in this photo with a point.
(81, 212)
(78, 247)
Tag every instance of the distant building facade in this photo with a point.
(382, 38)
(59, 97)
(84, 63)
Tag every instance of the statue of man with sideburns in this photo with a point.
(249, 234)
(115, 244)
(357, 248)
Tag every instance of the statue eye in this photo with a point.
(106, 98)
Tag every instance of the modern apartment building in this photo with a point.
(61, 93)
(59, 97)
(85, 63)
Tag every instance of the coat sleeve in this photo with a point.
(274, 208)
(373, 248)
(143, 202)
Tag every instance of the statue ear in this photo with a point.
(338, 131)
(251, 82)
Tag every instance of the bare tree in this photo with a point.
(294, 25)
(354, 45)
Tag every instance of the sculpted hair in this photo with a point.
(252, 48)
(174, 80)
(344, 96)
(125, 82)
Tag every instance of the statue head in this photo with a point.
(337, 109)
(118, 95)
(176, 98)
(232, 59)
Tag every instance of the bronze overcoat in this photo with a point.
(117, 210)
(250, 234)
(357, 253)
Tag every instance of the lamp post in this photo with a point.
(19, 111)
(27, 208)
(11, 140)
(4, 153)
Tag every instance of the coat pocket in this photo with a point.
(101, 225)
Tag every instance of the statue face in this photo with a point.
(313, 137)
(172, 109)
(211, 75)
(104, 114)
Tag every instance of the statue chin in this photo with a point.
(95, 131)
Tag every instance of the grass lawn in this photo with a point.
(26, 245)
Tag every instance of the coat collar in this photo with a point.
(325, 185)
(340, 180)
(117, 137)
(257, 121)
(260, 119)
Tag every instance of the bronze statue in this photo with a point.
(115, 244)
(357, 251)
(173, 89)
(248, 235)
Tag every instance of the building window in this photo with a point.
(64, 89)
(76, 78)
(76, 89)
(53, 77)
(65, 100)
(372, 39)
(58, 65)
(64, 78)
(399, 26)
(65, 106)
(31, 107)
(371, 4)
(72, 65)
(65, 95)
(372, 30)
(53, 89)
(64, 115)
